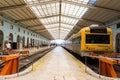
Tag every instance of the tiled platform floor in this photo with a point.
(57, 66)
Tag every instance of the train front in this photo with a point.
(96, 39)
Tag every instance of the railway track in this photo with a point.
(27, 61)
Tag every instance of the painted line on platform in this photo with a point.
(80, 64)
(40, 61)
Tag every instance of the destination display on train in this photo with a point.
(98, 30)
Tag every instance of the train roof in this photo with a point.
(103, 28)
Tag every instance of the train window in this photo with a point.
(97, 39)
(76, 40)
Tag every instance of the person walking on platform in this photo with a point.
(8, 46)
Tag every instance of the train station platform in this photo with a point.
(57, 65)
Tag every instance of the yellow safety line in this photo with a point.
(40, 61)
(80, 65)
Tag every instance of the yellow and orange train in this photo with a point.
(94, 38)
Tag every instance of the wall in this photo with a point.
(115, 32)
(6, 31)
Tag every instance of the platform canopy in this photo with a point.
(58, 16)
(59, 19)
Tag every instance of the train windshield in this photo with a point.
(97, 39)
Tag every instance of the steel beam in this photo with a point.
(27, 19)
(58, 22)
(35, 25)
(92, 7)
(44, 28)
(43, 3)
(12, 7)
(94, 21)
(42, 31)
(25, 5)
(34, 18)
(57, 15)
(37, 28)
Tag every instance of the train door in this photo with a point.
(18, 42)
(23, 42)
(118, 43)
(1, 40)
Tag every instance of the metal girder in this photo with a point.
(107, 9)
(60, 8)
(67, 23)
(70, 16)
(44, 3)
(12, 7)
(92, 7)
(34, 18)
(35, 25)
(58, 22)
(25, 5)
(48, 36)
(63, 30)
(94, 21)
(44, 28)
(37, 28)
(66, 27)
(33, 28)
(57, 15)
(42, 31)
(49, 2)
(27, 19)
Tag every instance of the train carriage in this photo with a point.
(94, 38)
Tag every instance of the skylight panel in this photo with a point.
(68, 20)
(64, 29)
(49, 14)
(53, 29)
(49, 20)
(81, 11)
(52, 25)
(44, 21)
(65, 25)
(76, 8)
(67, 7)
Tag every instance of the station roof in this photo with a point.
(59, 19)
